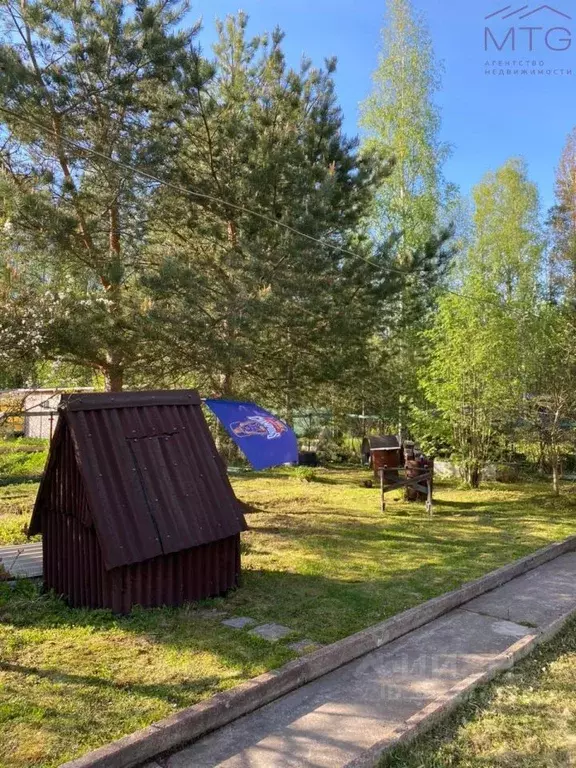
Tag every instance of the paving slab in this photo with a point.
(239, 622)
(336, 719)
(23, 560)
(535, 599)
(272, 632)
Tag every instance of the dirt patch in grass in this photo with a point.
(319, 557)
(524, 719)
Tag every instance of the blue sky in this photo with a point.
(486, 118)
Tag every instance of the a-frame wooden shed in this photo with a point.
(135, 507)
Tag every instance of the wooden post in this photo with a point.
(429, 496)
(383, 503)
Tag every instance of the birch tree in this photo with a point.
(482, 341)
(402, 126)
(562, 259)
(550, 405)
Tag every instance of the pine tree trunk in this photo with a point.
(114, 378)
(289, 409)
(226, 447)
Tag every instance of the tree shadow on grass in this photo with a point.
(322, 476)
(328, 480)
(442, 529)
(355, 569)
(175, 693)
(136, 643)
(535, 500)
(321, 607)
(19, 480)
(337, 537)
(460, 504)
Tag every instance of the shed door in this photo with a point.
(179, 497)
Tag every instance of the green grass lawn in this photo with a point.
(319, 557)
(524, 719)
(21, 465)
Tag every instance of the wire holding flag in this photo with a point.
(263, 438)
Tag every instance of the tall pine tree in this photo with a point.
(279, 312)
(103, 75)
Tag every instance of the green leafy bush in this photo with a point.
(306, 474)
(331, 452)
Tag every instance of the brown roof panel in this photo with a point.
(153, 477)
(374, 442)
(100, 400)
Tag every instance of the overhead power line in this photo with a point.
(191, 192)
(233, 206)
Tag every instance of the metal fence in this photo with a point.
(32, 412)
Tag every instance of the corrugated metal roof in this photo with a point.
(374, 442)
(105, 400)
(153, 478)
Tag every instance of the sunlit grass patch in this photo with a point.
(21, 466)
(319, 557)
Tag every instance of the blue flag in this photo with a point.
(263, 438)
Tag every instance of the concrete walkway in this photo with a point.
(332, 721)
(23, 560)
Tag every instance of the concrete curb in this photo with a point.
(196, 721)
(441, 707)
